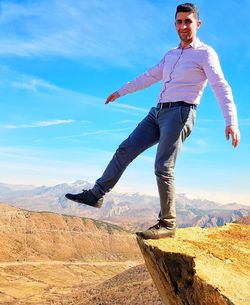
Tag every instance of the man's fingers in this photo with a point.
(235, 134)
(236, 140)
(112, 97)
(109, 99)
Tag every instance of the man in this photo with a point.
(184, 72)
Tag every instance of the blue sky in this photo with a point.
(59, 60)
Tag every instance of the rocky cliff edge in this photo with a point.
(201, 266)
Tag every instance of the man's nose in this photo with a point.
(183, 25)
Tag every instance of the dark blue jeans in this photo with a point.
(169, 127)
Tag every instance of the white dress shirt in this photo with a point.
(184, 74)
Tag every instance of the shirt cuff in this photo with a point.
(122, 91)
(231, 121)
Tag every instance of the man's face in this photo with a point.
(186, 26)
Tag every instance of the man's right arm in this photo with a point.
(153, 75)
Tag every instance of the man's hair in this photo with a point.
(187, 7)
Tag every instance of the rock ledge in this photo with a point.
(201, 266)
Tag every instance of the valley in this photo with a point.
(54, 282)
(53, 259)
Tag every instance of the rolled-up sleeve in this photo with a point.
(220, 86)
(151, 76)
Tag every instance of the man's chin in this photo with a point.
(186, 40)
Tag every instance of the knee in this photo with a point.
(164, 171)
(124, 153)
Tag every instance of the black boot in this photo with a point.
(160, 230)
(86, 197)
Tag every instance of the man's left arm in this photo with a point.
(224, 95)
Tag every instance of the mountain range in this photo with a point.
(131, 211)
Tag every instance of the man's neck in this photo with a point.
(185, 44)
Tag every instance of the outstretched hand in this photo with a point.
(235, 135)
(112, 97)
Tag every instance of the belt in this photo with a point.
(176, 104)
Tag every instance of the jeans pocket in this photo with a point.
(184, 113)
(189, 124)
(193, 116)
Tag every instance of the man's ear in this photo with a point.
(198, 24)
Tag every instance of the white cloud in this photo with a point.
(116, 32)
(40, 124)
(244, 121)
(211, 121)
(196, 146)
(93, 133)
(223, 196)
(17, 80)
(129, 107)
(124, 122)
(33, 84)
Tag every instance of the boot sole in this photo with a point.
(97, 205)
(166, 235)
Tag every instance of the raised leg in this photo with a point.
(145, 135)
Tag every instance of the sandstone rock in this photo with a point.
(201, 266)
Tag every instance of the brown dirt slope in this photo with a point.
(32, 236)
(131, 287)
(52, 282)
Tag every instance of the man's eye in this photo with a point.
(179, 21)
(188, 21)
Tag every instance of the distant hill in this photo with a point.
(131, 211)
(244, 220)
(33, 236)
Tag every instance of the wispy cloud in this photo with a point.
(116, 32)
(129, 107)
(124, 122)
(39, 124)
(211, 120)
(212, 20)
(244, 121)
(198, 146)
(22, 165)
(33, 84)
(93, 133)
(25, 82)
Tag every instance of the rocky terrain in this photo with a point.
(201, 266)
(54, 259)
(131, 211)
(48, 258)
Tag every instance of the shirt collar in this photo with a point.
(194, 44)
